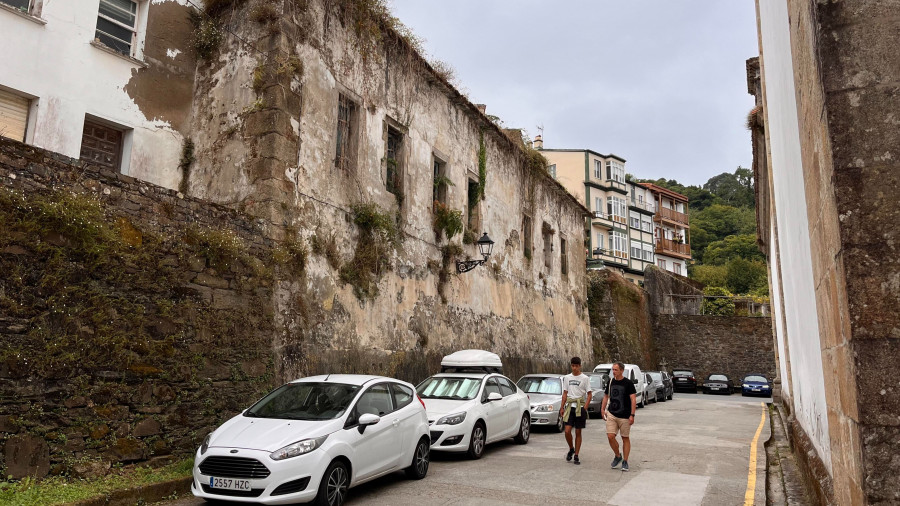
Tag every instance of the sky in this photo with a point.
(660, 83)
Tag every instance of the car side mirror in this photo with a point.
(369, 419)
(635, 381)
(494, 396)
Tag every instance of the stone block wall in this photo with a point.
(733, 345)
(620, 321)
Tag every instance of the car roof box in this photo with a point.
(472, 361)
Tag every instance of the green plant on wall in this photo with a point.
(447, 221)
(378, 235)
(717, 302)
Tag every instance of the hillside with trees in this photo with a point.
(723, 232)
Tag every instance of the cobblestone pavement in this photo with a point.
(692, 450)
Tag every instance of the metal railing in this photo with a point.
(647, 206)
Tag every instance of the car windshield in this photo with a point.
(603, 371)
(305, 401)
(758, 379)
(682, 373)
(656, 376)
(449, 388)
(718, 377)
(541, 385)
(598, 381)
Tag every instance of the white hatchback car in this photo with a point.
(313, 439)
(468, 410)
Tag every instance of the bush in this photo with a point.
(447, 221)
(718, 302)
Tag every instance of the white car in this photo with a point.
(467, 410)
(634, 373)
(313, 439)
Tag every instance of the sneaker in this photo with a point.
(569, 455)
(616, 461)
(625, 465)
(577, 462)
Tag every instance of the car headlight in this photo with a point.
(745, 385)
(454, 419)
(298, 448)
(205, 445)
(765, 386)
(544, 408)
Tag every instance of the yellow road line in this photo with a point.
(751, 474)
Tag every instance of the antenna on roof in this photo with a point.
(328, 376)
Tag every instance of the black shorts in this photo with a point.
(578, 422)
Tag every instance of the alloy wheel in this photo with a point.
(478, 434)
(526, 427)
(422, 457)
(337, 486)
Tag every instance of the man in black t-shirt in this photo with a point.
(618, 407)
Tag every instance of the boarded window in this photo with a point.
(101, 145)
(392, 161)
(345, 154)
(563, 256)
(441, 181)
(116, 25)
(547, 234)
(13, 115)
(526, 236)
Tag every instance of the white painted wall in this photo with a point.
(808, 384)
(775, 296)
(56, 64)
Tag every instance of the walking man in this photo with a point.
(618, 407)
(576, 397)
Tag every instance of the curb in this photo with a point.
(784, 480)
(140, 495)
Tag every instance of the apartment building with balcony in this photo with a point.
(599, 182)
(671, 231)
(642, 245)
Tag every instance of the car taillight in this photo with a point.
(420, 400)
(692, 378)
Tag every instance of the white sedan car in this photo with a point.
(313, 439)
(468, 410)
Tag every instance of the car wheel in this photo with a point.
(560, 424)
(524, 430)
(422, 456)
(334, 485)
(663, 397)
(476, 442)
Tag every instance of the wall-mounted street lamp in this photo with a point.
(485, 245)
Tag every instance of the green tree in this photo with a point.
(709, 275)
(724, 220)
(717, 305)
(746, 276)
(734, 189)
(732, 246)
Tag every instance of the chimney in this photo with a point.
(538, 142)
(482, 108)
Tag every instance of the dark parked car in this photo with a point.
(719, 384)
(598, 390)
(663, 384)
(756, 384)
(683, 379)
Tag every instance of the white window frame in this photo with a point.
(618, 209)
(598, 169)
(138, 31)
(635, 249)
(552, 170)
(618, 242)
(601, 241)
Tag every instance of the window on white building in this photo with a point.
(648, 252)
(615, 171)
(617, 209)
(646, 224)
(634, 221)
(618, 243)
(13, 115)
(104, 144)
(601, 241)
(661, 263)
(552, 170)
(635, 253)
(677, 267)
(597, 168)
(117, 25)
(20, 5)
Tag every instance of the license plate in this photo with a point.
(756, 390)
(713, 388)
(229, 484)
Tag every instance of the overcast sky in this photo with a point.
(661, 83)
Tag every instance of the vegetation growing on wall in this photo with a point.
(447, 221)
(718, 302)
(378, 235)
(373, 23)
(187, 159)
(482, 166)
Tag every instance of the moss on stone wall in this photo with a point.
(620, 320)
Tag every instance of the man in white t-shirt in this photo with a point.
(575, 400)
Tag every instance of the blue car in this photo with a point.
(756, 384)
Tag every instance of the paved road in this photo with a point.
(692, 450)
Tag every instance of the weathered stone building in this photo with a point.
(312, 115)
(826, 144)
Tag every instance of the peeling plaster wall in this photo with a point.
(67, 77)
(273, 157)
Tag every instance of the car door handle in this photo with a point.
(396, 422)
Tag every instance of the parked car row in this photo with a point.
(315, 438)
(651, 386)
(752, 384)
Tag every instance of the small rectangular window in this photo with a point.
(662, 263)
(601, 242)
(526, 236)
(548, 244)
(393, 173)
(101, 145)
(345, 152)
(563, 256)
(441, 181)
(677, 268)
(117, 25)
(552, 170)
(13, 115)
(635, 253)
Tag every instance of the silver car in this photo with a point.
(599, 381)
(545, 394)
